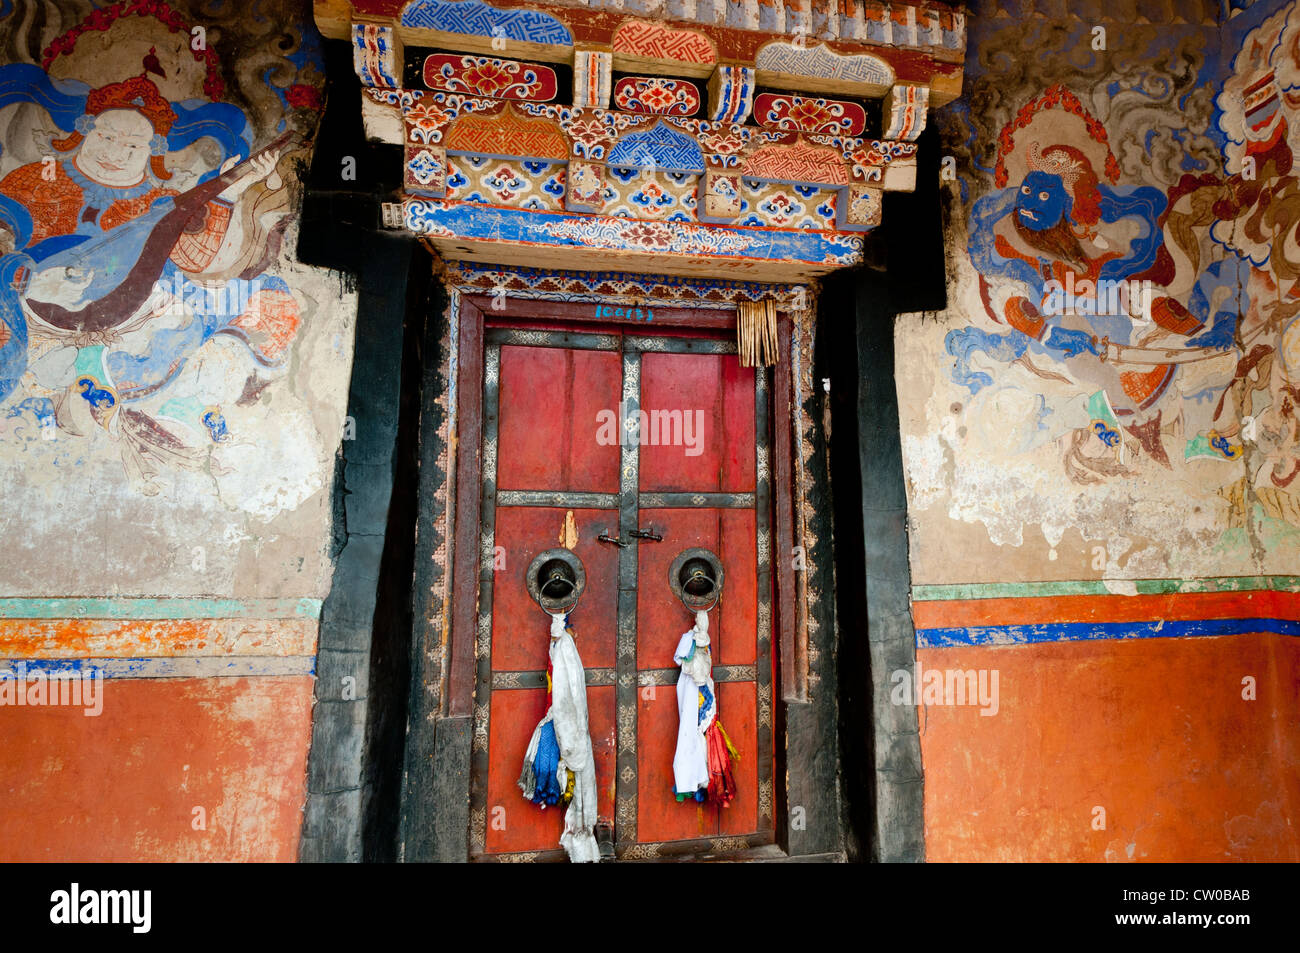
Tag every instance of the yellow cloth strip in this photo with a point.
(731, 749)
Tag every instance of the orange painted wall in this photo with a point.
(1153, 730)
(122, 786)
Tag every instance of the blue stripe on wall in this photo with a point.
(177, 667)
(1090, 631)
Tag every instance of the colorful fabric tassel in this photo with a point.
(722, 785)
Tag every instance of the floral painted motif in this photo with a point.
(657, 96)
(652, 200)
(590, 136)
(781, 209)
(539, 186)
(489, 76)
(504, 183)
(424, 122)
(809, 114)
(651, 236)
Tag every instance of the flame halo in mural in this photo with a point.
(1185, 378)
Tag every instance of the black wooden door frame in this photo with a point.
(436, 819)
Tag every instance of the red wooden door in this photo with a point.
(691, 465)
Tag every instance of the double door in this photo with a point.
(600, 442)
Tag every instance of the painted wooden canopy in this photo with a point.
(697, 137)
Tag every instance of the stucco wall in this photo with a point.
(173, 393)
(1101, 502)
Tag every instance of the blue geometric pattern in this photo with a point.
(661, 148)
(479, 19)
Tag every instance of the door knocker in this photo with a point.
(702, 761)
(559, 767)
(695, 577)
(556, 580)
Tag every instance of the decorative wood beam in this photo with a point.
(923, 44)
(494, 168)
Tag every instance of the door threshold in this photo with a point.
(766, 854)
(762, 854)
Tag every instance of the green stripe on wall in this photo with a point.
(133, 608)
(1098, 587)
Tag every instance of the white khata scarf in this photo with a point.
(567, 719)
(691, 761)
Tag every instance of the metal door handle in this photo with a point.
(646, 534)
(606, 538)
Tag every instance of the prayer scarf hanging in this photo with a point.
(559, 766)
(702, 762)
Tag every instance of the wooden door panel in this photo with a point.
(550, 399)
(520, 629)
(736, 615)
(723, 392)
(662, 619)
(659, 816)
(546, 456)
(514, 824)
(738, 713)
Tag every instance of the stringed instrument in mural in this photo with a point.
(128, 259)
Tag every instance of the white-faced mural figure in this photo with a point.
(114, 278)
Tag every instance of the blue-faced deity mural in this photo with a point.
(1165, 301)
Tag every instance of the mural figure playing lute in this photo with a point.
(121, 277)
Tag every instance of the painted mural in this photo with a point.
(172, 389)
(1125, 261)
(145, 173)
